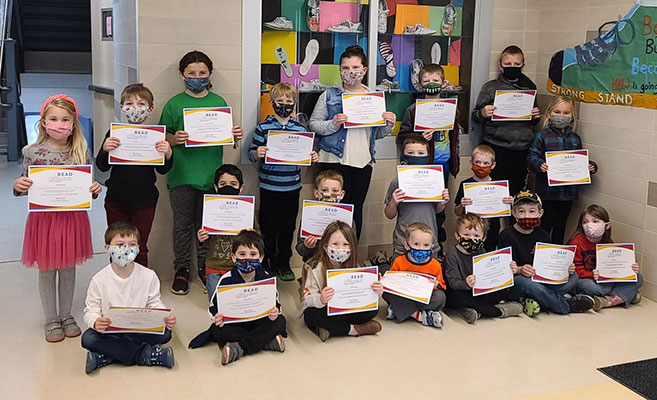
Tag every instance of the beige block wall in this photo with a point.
(102, 73)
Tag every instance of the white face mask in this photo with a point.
(338, 256)
(136, 114)
(123, 255)
(594, 230)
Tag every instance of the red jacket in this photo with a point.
(584, 257)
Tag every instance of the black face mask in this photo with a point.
(413, 160)
(283, 110)
(432, 88)
(227, 190)
(512, 73)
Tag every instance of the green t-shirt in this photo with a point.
(193, 166)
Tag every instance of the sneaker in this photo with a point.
(449, 17)
(380, 257)
(386, 86)
(312, 19)
(600, 302)
(323, 334)
(416, 66)
(231, 351)
(436, 53)
(281, 56)
(312, 50)
(286, 274)
(509, 309)
(157, 355)
(180, 284)
(280, 24)
(530, 307)
(95, 361)
(54, 331)
(370, 327)
(382, 25)
(390, 313)
(431, 318)
(418, 29)
(470, 315)
(580, 303)
(385, 49)
(636, 299)
(276, 344)
(345, 26)
(71, 328)
(313, 86)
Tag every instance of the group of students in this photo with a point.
(55, 242)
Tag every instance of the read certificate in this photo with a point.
(353, 292)
(513, 105)
(246, 301)
(551, 262)
(364, 109)
(59, 188)
(492, 271)
(137, 320)
(421, 183)
(614, 262)
(487, 198)
(434, 114)
(411, 285)
(227, 215)
(568, 167)
(137, 144)
(289, 148)
(208, 126)
(316, 215)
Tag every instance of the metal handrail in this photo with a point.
(4, 24)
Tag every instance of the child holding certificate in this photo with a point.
(557, 135)
(279, 184)
(416, 152)
(56, 241)
(131, 191)
(338, 250)
(470, 238)
(124, 283)
(594, 227)
(522, 238)
(241, 338)
(191, 176)
(483, 162)
(418, 243)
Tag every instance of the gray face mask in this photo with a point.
(560, 121)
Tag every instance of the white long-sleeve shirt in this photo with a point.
(140, 289)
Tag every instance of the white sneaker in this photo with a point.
(387, 86)
(383, 16)
(418, 29)
(345, 26)
(416, 66)
(385, 49)
(436, 52)
(449, 18)
(312, 49)
(281, 56)
(312, 19)
(313, 86)
(280, 24)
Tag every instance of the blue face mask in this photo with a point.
(414, 160)
(247, 265)
(419, 256)
(197, 85)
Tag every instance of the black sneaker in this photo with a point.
(580, 303)
(95, 361)
(180, 284)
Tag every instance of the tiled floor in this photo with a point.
(549, 357)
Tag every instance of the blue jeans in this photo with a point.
(211, 284)
(549, 297)
(123, 347)
(626, 290)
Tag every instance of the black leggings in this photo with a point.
(555, 217)
(337, 324)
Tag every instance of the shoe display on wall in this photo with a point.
(346, 26)
(418, 29)
(384, 11)
(313, 15)
(436, 53)
(312, 49)
(416, 66)
(385, 49)
(281, 56)
(387, 86)
(313, 85)
(280, 24)
(449, 18)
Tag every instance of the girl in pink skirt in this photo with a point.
(56, 241)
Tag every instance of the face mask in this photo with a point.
(560, 121)
(528, 223)
(352, 77)
(470, 245)
(59, 130)
(481, 171)
(594, 230)
(246, 265)
(123, 255)
(432, 88)
(512, 73)
(330, 197)
(338, 256)
(196, 85)
(283, 110)
(418, 256)
(227, 190)
(136, 114)
(414, 160)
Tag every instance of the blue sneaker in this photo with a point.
(158, 355)
(95, 361)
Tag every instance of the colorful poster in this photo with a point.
(289, 148)
(208, 126)
(614, 262)
(137, 320)
(227, 215)
(246, 301)
(353, 291)
(492, 271)
(551, 262)
(59, 188)
(487, 198)
(569, 167)
(137, 144)
(421, 183)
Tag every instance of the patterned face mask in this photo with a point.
(338, 256)
(352, 77)
(246, 265)
(594, 230)
(136, 114)
(528, 223)
(123, 255)
(432, 88)
(470, 245)
(418, 256)
(330, 197)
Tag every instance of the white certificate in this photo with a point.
(364, 109)
(59, 188)
(137, 144)
(227, 215)
(316, 215)
(353, 291)
(551, 262)
(568, 167)
(137, 320)
(246, 301)
(208, 126)
(492, 271)
(614, 262)
(421, 183)
(437, 114)
(411, 285)
(487, 198)
(289, 148)
(513, 105)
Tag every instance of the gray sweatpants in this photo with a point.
(403, 308)
(187, 207)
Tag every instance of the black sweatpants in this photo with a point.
(555, 217)
(278, 218)
(337, 324)
(510, 165)
(252, 336)
(484, 304)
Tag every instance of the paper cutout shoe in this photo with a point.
(312, 49)
(312, 19)
(345, 26)
(449, 18)
(416, 66)
(281, 56)
(387, 86)
(314, 85)
(436, 53)
(385, 49)
(280, 24)
(418, 30)
(384, 11)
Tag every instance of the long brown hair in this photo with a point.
(598, 212)
(322, 257)
(76, 140)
